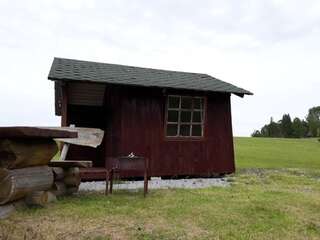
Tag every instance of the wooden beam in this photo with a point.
(64, 107)
(68, 164)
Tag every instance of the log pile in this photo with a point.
(27, 177)
(67, 180)
(36, 186)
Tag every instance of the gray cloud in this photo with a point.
(269, 47)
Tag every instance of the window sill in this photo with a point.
(184, 139)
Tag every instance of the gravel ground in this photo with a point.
(157, 183)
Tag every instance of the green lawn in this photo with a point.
(273, 203)
(277, 153)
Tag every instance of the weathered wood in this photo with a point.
(16, 184)
(6, 210)
(36, 132)
(70, 164)
(72, 181)
(90, 137)
(64, 104)
(59, 188)
(65, 148)
(58, 173)
(19, 204)
(20, 153)
(51, 197)
(72, 177)
(64, 151)
(37, 198)
(72, 190)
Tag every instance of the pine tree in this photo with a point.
(313, 120)
(286, 126)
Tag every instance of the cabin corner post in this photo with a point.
(231, 133)
(64, 107)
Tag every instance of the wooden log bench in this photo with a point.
(22, 147)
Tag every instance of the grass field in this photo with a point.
(274, 202)
(277, 153)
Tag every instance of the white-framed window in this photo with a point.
(184, 116)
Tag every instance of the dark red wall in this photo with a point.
(134, 120)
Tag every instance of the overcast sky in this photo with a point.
(271, 48)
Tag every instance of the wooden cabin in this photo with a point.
(180, 121)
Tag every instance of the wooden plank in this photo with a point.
(36, 132)
(65, 148)
(69, 163)
(91, 137)
(64, 151)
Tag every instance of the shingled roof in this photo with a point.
(76, 70)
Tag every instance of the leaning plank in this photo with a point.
(20, 153)
(37, 198)
(91, 137)
(69, 164)
(36, 132)
(6, 210)
(16, 184)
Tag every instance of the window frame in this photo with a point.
(191, 123)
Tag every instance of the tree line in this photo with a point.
(296, 128)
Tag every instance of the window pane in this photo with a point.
(185, 130)
(197, 117)
(186, 102)
(172, 130)
(185, 116)
(173, 102)
(196, 130)
(197, 103)
(173, 116)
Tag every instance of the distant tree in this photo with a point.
(310, 127)
(299, 128)
(313, 120)
(271, 130)
(265, 131)
(274, 129)
(306, 128)
(286, 126)
(256, 133)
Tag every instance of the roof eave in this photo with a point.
(239, 94)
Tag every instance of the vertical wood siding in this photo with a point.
(134, 120)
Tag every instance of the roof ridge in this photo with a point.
(122, 65)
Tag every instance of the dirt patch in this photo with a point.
(57, 228)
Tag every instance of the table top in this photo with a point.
(36, 132)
